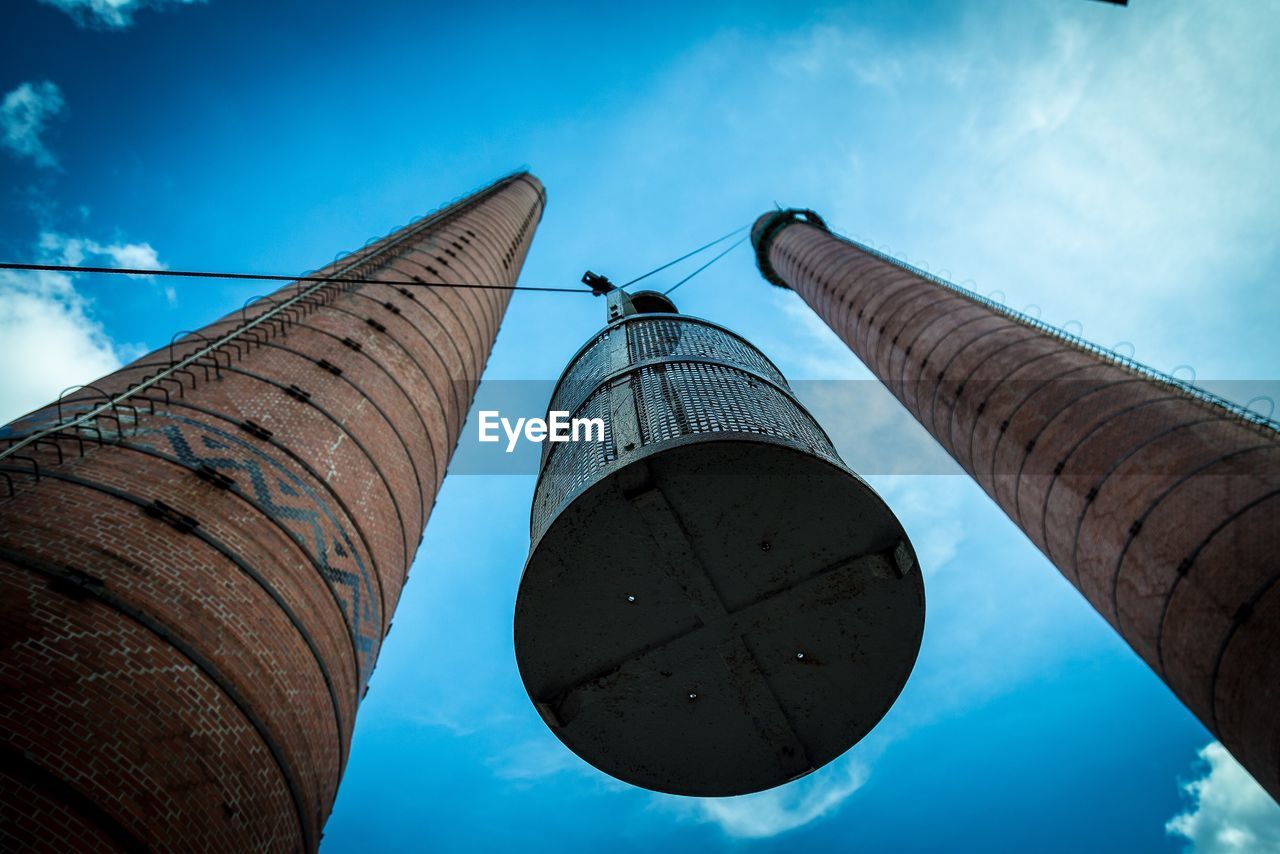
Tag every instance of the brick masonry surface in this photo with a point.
(1161, 508)
(197, 583)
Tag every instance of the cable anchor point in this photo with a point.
(600, 285)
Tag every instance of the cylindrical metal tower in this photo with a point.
(1158, 502)
(200, 553)
(713, 603)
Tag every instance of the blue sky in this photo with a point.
(1115, 168)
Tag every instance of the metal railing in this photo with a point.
(1240, 411)
(363, 260)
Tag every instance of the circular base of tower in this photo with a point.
(719, 617)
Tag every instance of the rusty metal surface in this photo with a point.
(713, 604)
(672, 376)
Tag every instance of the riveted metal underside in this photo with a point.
(723, 606)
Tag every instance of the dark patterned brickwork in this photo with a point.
(1162, 508)
(197, 580)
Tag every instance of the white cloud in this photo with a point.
(78, 250)
(807, 342)
(48, 340)
(779, 810)
(24, 115)
(139, 256)
(437, 720)
(535, 759)
(827, 48)
(112, 14)
(48, 334)
(932, 510)
(1103, 167)
(1231, 814)
(1117, 177)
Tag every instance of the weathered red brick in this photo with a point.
(198, 689)
(1161, 507)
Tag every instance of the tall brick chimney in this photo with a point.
(1158, 502)
(201, 553)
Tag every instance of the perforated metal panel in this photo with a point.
(678, 377)
(713, 602)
